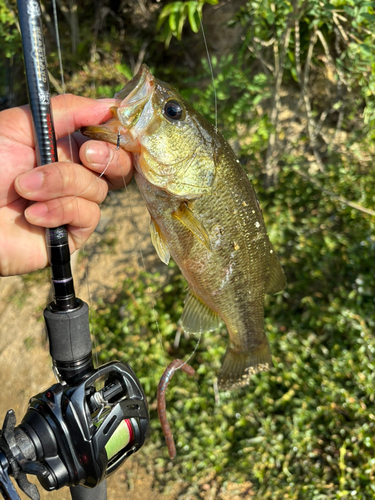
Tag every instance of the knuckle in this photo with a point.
(64, 178)
(103, 191)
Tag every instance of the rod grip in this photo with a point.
(69, 333)
(34, 52)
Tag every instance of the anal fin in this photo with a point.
(197, 317)
(188, 219)
(157, 240)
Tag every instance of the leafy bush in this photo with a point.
(304, 430)
(177, 13)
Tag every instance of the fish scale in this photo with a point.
(205, 214)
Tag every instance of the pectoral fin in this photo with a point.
(276, 279)
(197, 317)
(159, 243)
(188, 219)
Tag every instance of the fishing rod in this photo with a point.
(81, 429)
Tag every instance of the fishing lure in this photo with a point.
(162, 387)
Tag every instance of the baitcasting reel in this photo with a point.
(75, 434)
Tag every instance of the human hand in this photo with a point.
(67, 192)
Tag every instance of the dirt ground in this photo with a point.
(24, 356)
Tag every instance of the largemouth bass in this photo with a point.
(205, 214)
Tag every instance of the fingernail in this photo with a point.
(30, 181)
(97, 153)
(36, 211)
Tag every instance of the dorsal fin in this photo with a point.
(276, 279)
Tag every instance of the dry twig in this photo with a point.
(311, 126)
(343, 33)
(334, 195)
(272, 153)
(331, 62)
(297, 50)
(140, 58)
(267, 67)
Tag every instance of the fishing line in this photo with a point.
(116, 158)
(82, 245)
(193, 352)
(215, 384)
(216, 120)
(160, 338)
(56, 25)
(209, 63)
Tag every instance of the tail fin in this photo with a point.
(238, 367)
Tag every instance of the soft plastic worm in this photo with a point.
(162, 387)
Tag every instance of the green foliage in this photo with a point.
(10, 37)
(10, 43)
(174, 15)
(239, 93)
(304, 430)
(280, 34)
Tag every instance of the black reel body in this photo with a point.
(76, 434)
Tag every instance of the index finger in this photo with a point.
(70, 112)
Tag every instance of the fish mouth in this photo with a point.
(107, 131)
(113, 132)
(129, 118)
(135, 84)
(136, 95)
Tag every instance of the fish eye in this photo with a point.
(173, 110)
